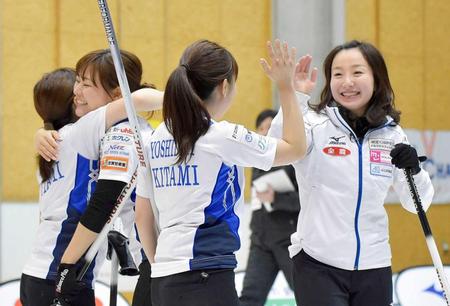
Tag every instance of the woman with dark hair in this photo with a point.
(356, 151)
(97, 85)
(197, 177)
(69, 182)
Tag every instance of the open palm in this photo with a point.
(304, 81)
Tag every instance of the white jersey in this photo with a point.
(62, 200)
(343, 183)
(197, 200)
(118, 162)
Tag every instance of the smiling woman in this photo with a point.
(341, 248)
(352, 82)
(65, 195)
(94, 86)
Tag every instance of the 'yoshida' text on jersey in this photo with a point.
(196, 200)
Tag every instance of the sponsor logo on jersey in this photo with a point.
(336, 151)
(126, 130)
(253, 140)
(114, 163)
(380, 156)
(381, 144)
(235, 132)
(337, 141)
(248, 136)
(381, 169)
(120, 138)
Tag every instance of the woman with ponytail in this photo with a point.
(197, 177)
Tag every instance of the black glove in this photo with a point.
(67, 285)
(119, 243)
(405, 156)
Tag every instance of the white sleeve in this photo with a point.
(87, 133)
(118, 154)
(276, 128)
(238, 146)
(144, 186)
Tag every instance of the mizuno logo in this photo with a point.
(336, 138)
(433, 290)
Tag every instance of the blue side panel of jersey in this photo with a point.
(85, 182)
(133, 196)
(217, 239)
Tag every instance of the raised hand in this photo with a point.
(281, 69)
(304, 81)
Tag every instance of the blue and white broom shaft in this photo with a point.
(437, 262)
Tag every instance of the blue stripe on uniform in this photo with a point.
(217, 238)
(85, 182)
(358, 207)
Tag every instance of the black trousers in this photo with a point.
(143, 292)
(195, 288)
(268, 255)
(318, 284)
(41, 292)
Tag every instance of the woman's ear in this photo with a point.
(116, 93)
(225, 86)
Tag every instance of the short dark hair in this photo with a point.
(265, 114)
(382, 101)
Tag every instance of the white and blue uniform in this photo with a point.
(118, 147)
(118, 162)
(196, 200)
(62, 200)
(342, 183)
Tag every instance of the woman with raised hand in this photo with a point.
(356, 153)
(196, 178)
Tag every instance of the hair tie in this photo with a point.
(186, 66)
(48, 126)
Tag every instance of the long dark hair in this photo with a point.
(102, 66)
(203, 66)
(53, 101)
(382, 101)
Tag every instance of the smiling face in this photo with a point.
(88, 96)
(352, 81)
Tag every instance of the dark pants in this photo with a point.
(41, 292)
(143, 292)
(318, 284)
(195, 288)
(268, 255)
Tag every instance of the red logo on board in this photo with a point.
(336, 151)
